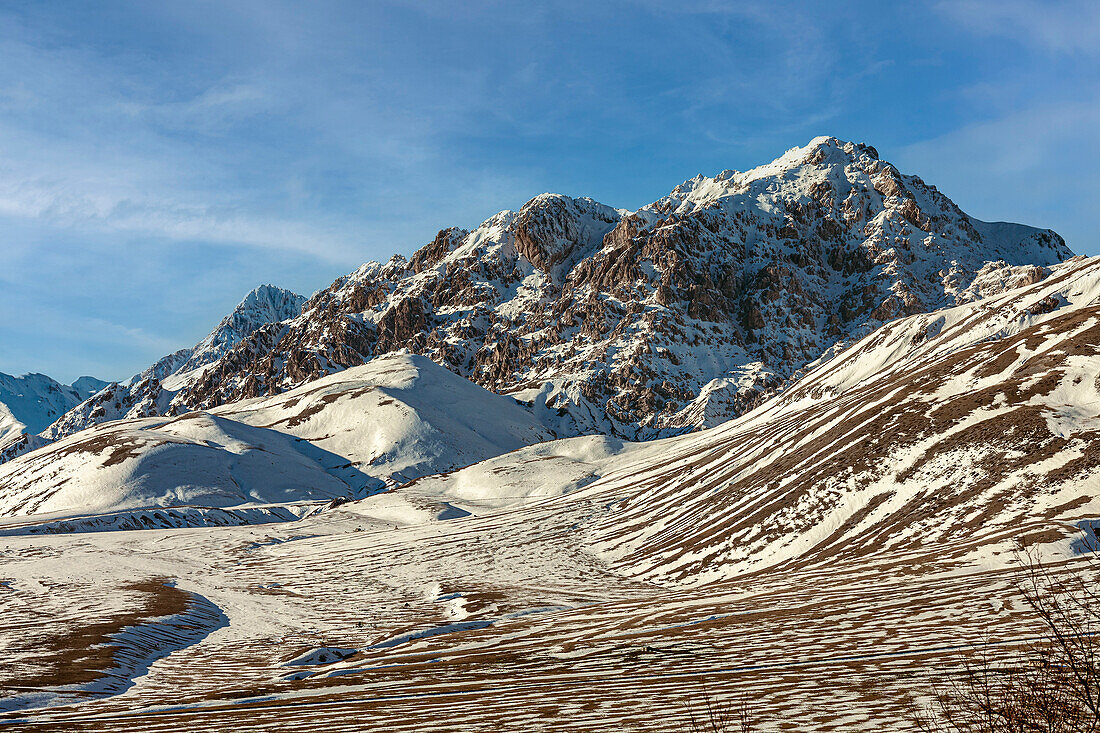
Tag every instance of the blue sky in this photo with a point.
(158, 160)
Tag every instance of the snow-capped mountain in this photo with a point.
(28, 404)
(150, 392)
(398, 418)
(677, 316)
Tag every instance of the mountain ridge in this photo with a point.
(677, 316)
(148, 392)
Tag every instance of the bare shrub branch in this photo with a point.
(1048, 686)
(716, 716)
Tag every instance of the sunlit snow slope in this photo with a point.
(394, 419)
(824, 557)
(976, 422)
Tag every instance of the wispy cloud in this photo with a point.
(99, 203)
(1036, 165)
(213, 110)
(1056, 26)
(84, 145)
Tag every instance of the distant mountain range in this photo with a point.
(55, 411)
(28, 404)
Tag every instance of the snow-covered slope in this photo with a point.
(977, 424)
(853, 538)
(550, 469)
(197, 459)
(397, 418)
(28, 404)
(394, 419)
(680, 315)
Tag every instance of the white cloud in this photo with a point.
(211, 111)
(103, 200)
(1056, 26)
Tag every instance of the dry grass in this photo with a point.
(84, 654)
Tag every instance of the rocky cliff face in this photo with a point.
(676, 316)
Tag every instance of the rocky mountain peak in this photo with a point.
(264, 304)
(87, 386)
(678, 315)
(552, 229)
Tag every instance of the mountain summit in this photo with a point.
(676, 316)
(151, 391)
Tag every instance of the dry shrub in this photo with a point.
(717, 716)
(1050, 685)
